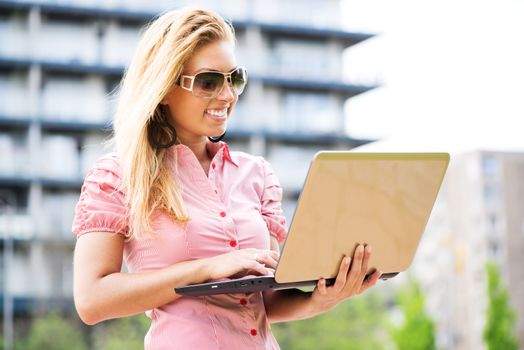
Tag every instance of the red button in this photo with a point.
(233, 243)
(253, 332)
(222, 213)
(243, 301)
(213, 165)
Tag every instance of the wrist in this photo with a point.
(201, 271)
(320, 306)
(206, 269)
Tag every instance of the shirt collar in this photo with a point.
(213, 148)
(223, 147)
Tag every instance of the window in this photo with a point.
(67, 41)
(492, 220)
(490, 166)
(65, 166)
(14, 90)
(308, 112)
(300, 59)
(490, 193)
(70, 98)
(493, 248)
(322, 13)
(13, 36)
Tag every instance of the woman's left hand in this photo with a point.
(349, 282)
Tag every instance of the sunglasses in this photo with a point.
(208, 85)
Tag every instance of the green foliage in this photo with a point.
(353, 325)
(123, 333)
(498, 332)
(52, 332)
(417, 332)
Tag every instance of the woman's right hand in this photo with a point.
(243, 262)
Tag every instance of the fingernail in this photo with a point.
(368, 248)
(347, 260)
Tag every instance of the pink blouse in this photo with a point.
(238, 205)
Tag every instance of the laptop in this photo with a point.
(348, 198)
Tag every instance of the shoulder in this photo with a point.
(244, 157)
(248, 160)
(257, 166)
(109, 162)
(106, 170)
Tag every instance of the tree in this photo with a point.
(417, 332)
(355, 324)
(498, 332)
(123, 333)
(53, 332)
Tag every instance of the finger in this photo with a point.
(267, 259)
(258, 268)
(321, 286)
(340, 282)
(274, 254)
(371, 281)
(365, 263)
(248, 253)
(356, 268)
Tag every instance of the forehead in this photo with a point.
(217, 55)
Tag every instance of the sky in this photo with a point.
(451, 73)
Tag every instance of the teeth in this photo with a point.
(218, 113)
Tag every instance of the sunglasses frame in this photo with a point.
(227, 78)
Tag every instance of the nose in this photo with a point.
(227, 93)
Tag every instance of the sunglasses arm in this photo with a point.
(184, 79)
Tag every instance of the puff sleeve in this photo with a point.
(102, 205)
(271, 201)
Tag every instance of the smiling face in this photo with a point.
(195, 118)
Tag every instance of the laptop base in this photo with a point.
(252, 284)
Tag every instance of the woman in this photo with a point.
(180, 208)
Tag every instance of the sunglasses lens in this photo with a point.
(239, 80)
(208, 84)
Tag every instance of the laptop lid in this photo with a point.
(382, 199)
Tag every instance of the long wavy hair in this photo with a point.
(166, 45)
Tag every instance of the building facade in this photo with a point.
(479, 217)
(59, 62)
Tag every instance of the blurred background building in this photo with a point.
(59, 62)
(479, 217)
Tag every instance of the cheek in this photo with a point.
(184, 110)
(232, 105)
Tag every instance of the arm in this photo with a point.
(293, 304)
(102, 291)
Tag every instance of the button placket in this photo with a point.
(252, 314)
(225, 217)
(229, 229)
(213, 184)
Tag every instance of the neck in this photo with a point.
(199, 149)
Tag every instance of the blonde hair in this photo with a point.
(166, 45)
